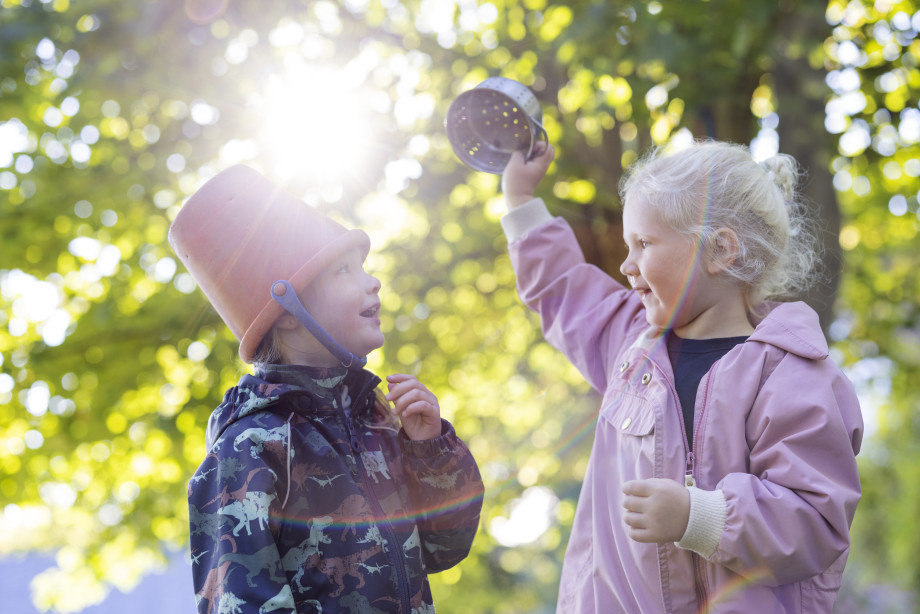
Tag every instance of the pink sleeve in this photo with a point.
(789, 517)
(584, 312)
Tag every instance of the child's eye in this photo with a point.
(641, 243)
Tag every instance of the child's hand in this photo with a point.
(521, 177)
(657, 510)
(416, 407)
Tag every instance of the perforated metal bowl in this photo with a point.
(488, 123)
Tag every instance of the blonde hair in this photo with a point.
(268, 351)
(713, 185)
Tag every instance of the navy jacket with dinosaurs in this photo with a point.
(312, 500)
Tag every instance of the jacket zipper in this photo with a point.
(382, 520)
(702, 594)
(698, 562)
(690, 466)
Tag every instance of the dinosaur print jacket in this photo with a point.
(311, 499)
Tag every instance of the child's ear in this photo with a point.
(724, 249)
(287, 322)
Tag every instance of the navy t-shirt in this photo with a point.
(691, 359)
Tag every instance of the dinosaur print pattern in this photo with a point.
(257, 439)
(302, 507)
(375, 463)
(253, 508)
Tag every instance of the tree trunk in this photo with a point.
(801, 94)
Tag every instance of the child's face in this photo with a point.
(665, 268)
(343, 300)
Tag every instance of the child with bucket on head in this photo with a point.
(311, 497)
(723, 475)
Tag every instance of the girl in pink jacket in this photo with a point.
(723, 475)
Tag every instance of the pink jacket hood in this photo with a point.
(793, 328)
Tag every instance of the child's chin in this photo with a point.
(374, 344)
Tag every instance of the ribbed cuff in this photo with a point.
(706, 523)
(429, 448)
(521, 220)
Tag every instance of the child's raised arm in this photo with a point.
(520, 179)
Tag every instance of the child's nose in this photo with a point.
(629, 268)
(373, 285)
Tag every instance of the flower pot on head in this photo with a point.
(240, 233)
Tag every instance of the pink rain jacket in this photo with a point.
(773, 477)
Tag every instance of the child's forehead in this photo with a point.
(354, 253)
(640, 214)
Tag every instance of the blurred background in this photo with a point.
(112, 112)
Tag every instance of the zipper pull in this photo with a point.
(689, 480)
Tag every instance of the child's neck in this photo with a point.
(718, 322)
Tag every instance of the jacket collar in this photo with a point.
(320, 383)
(263, 390)
(792, 327)
(324, 384)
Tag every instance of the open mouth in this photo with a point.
(370, 312)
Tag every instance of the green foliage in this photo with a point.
(876, 172)
(113, 112)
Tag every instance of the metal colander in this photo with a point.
(488, 123)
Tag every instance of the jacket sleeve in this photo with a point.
(585, 313)
(236, 562)
(446, 491)
(788, 518)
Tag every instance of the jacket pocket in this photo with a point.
(628, 413)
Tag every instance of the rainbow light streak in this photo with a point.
(692, 266)
(755, 575)
(364, 521)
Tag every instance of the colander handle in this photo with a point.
(287, 298)
(531, 155)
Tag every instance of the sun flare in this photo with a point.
(316, 125)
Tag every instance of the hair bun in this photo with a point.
(783, 171)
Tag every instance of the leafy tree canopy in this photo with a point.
(112, 113)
